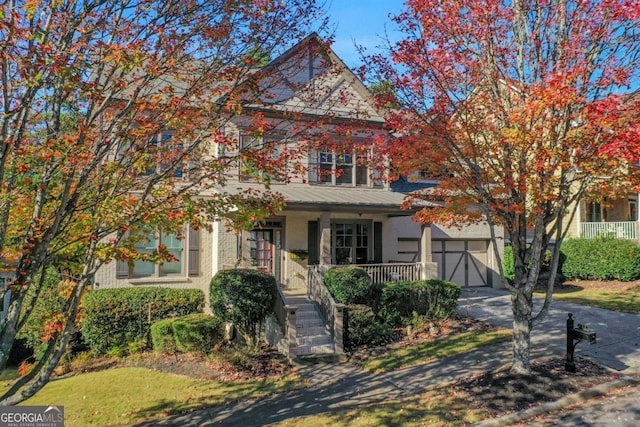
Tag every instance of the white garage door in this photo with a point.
(462, 261)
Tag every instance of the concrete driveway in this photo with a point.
(618, 334)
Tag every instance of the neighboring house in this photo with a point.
(341, 211)
(610, 218)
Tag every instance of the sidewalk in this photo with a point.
(343, 386)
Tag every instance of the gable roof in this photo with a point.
(310, 78)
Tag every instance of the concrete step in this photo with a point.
(309, 349)
(314, 340)
(311, 314)
(309, 323)
(312, 330)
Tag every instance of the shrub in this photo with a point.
(508, 263)
(244, 297)
(601, 259)
(352, 285)
(116, 317)
(362, 328)
(434, 299)
(192, 333)
(162, 337)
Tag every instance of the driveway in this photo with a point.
(618, 334)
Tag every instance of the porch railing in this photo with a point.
(618, 230)
(393, 272)
(332, 311)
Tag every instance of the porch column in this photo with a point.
(428, 268)
(324, 224)
(425, 244)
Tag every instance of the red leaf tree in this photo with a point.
(88, 90)
(520, 109)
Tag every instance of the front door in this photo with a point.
(266, 250)
(262, 250)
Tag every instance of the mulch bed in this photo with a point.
(407, 337)
(264, 364)
(500, 392)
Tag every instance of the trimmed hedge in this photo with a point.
(244, 297)
(603, 258)
(116, 317)
(192, 333)
(362, 328)
(352, 285)
(508, 262)
(434, 299)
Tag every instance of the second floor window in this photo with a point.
(347, 168)
(264, 157)
(162, 153)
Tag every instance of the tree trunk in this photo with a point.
(522, 307)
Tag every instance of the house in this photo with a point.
(338, 211)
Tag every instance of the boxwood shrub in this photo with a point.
(603, 258)
(191, 333)
(362, 328)
(352, 285)
(116, 317)
(244, 297)
(434, 299)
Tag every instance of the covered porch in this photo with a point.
(327, 227)
(611, 218)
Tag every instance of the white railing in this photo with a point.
(393, 272)
(618, 230)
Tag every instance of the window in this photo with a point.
(164, 152)
(633, 210)
(328, 167)
(351, 242)
(594, 212)
(185, 251)
(267, 151)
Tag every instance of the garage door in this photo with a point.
(462, 261)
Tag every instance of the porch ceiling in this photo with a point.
(340, 199)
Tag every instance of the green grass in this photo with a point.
(622, 300)
(129, 395)
(434, 408)
(424, 352)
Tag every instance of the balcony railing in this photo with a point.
(618, 230)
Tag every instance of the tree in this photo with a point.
(110, 112)
(520, 109)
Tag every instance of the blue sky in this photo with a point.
(363, 21)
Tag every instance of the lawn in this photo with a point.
(128, 395)
(616, 296)
(434, 408)
(429, 350)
